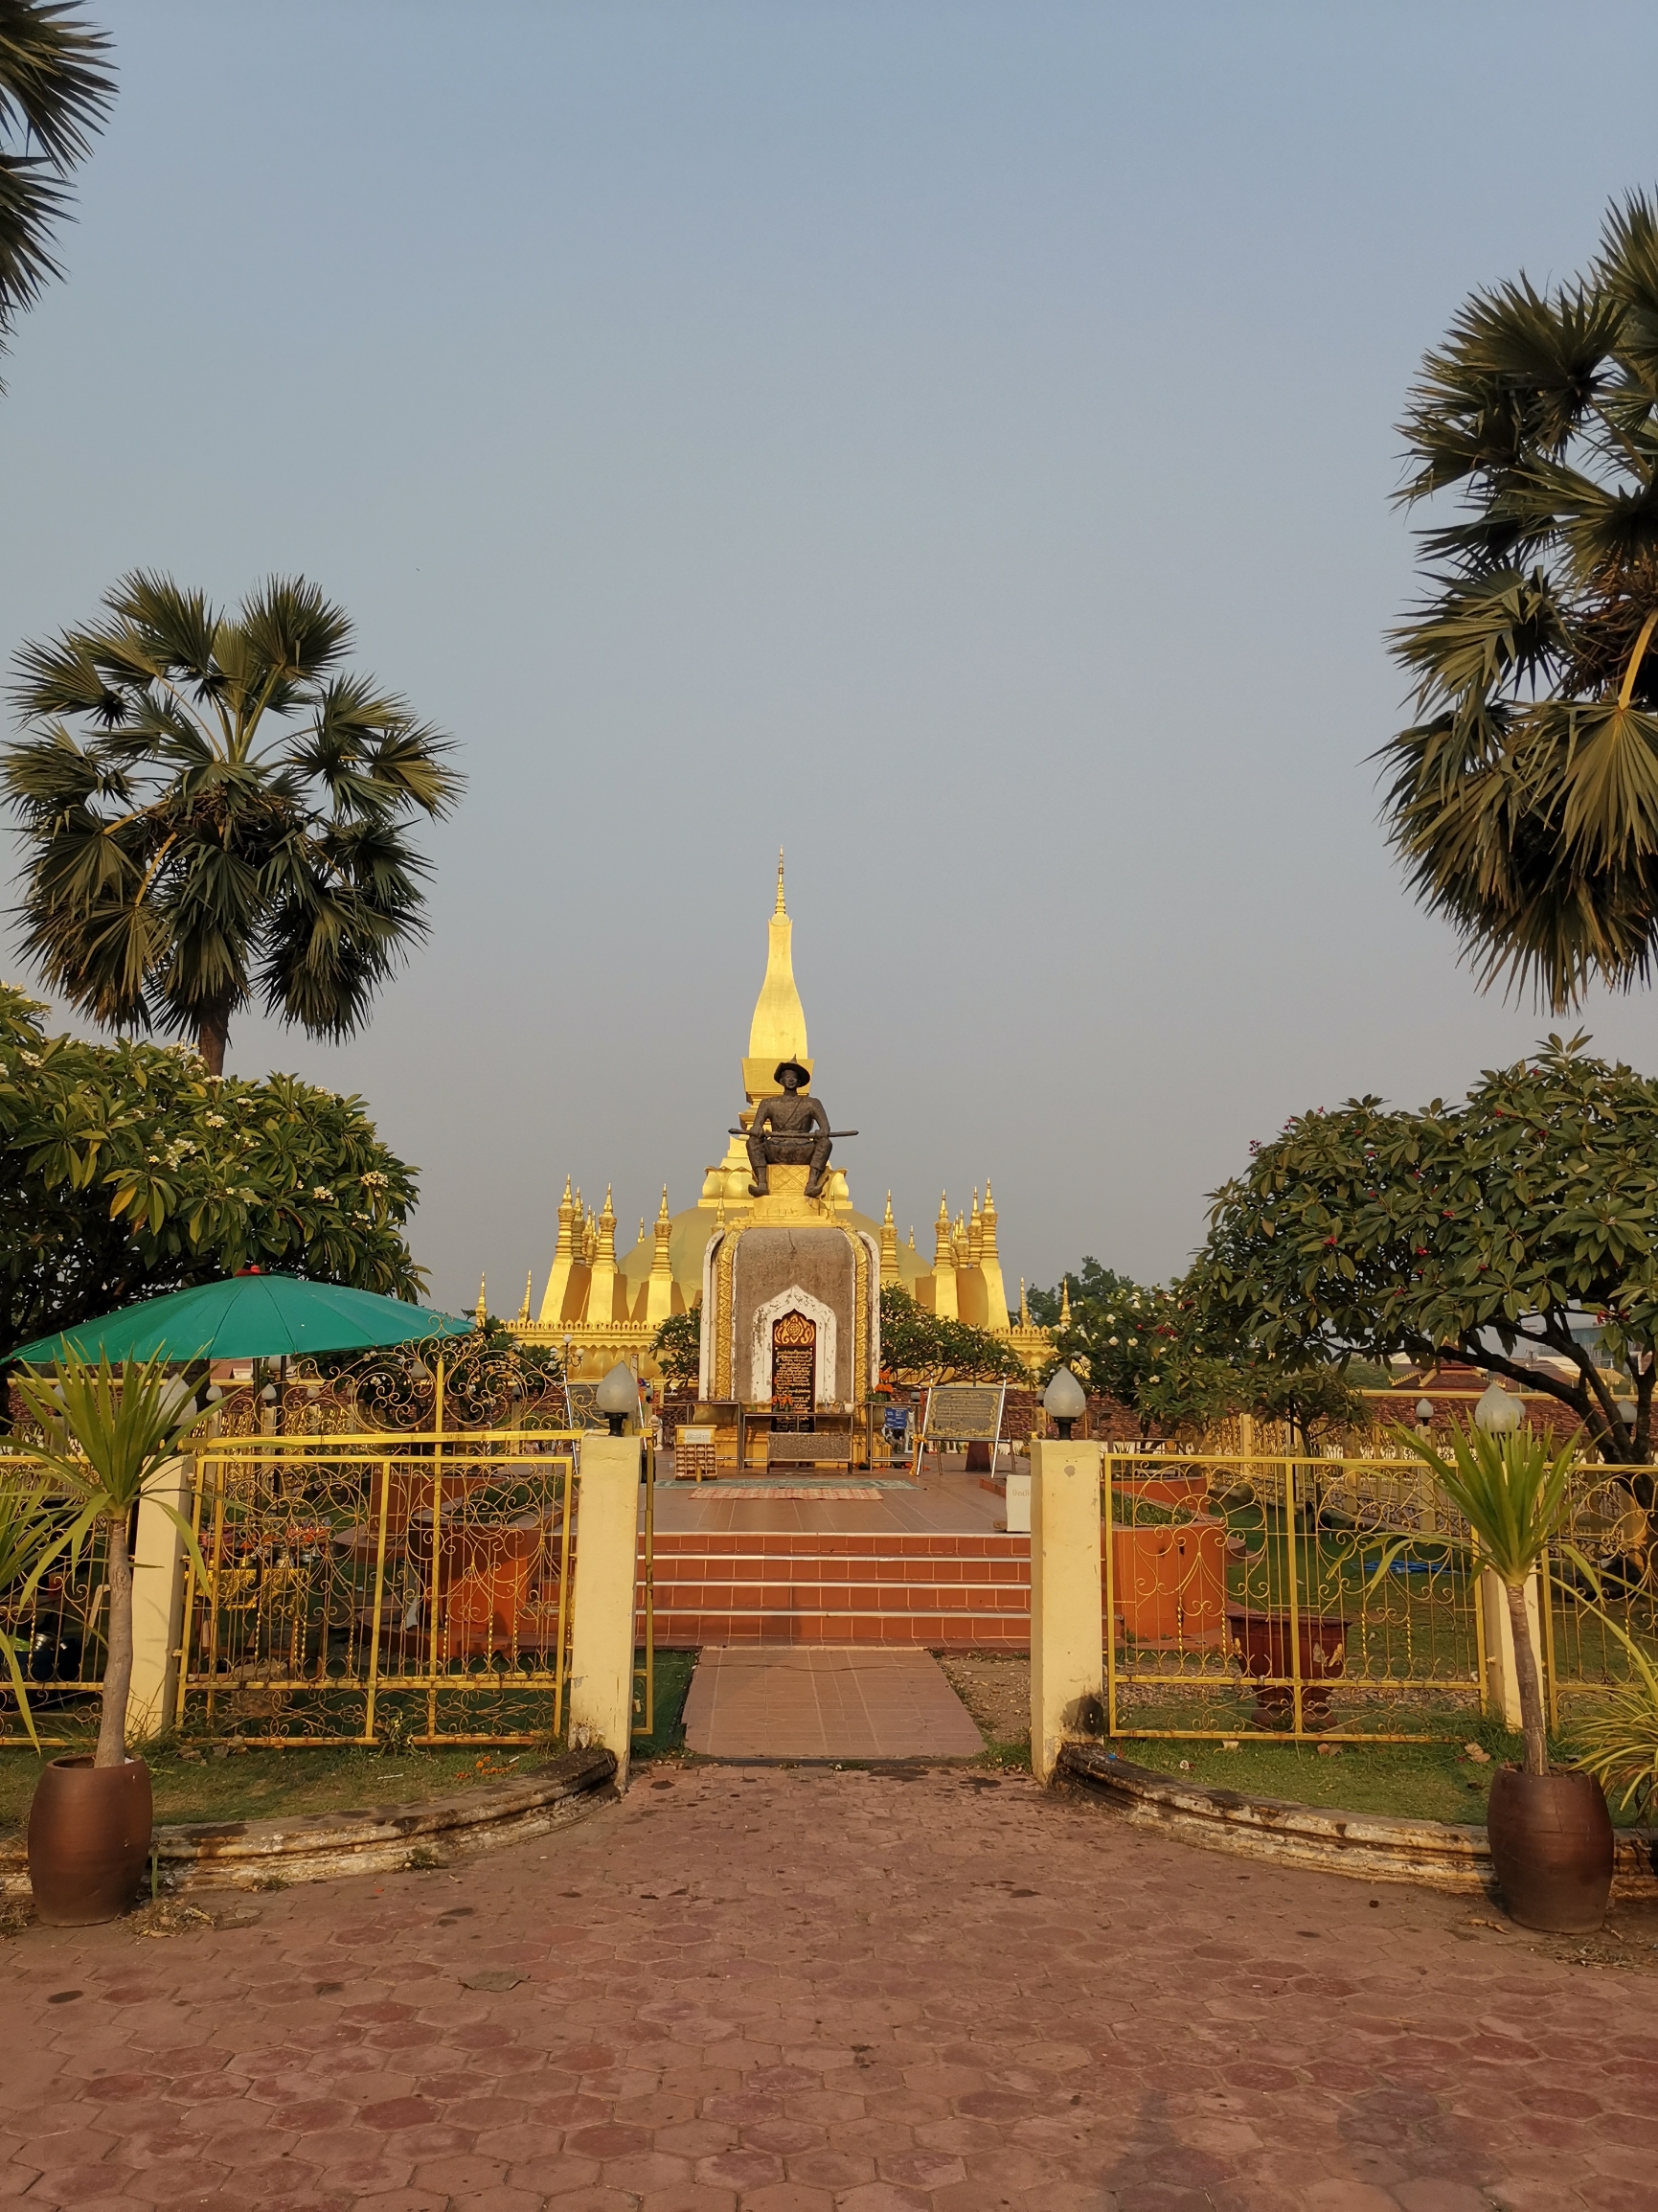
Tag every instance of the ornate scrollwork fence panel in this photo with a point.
(1243, 1597)
(365, 1589)
(61, 1634)
(1614, 1524)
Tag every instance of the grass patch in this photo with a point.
(1411, 1781)
(191, 1782)
(667, 1740)
(265, 1785)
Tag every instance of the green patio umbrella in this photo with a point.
(252, 1316)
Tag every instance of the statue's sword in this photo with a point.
(795, 1136)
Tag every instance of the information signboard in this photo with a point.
(963, 1413)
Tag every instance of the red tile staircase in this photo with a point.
(952, 1593)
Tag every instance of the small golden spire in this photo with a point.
(1064, 1301)
(1024, 1308)
(528, 1288)
(483, 1313)
(662, 1212)
(889, 1246)
(780, 907)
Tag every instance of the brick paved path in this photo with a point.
(805, 1991)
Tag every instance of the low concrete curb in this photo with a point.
(315, 1846)
(1369, 1846)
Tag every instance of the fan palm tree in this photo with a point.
(53, 96)
(1524, 798)
(229, 819)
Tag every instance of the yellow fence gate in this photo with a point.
(364, 1583)
(1310, 1597)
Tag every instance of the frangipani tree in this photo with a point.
(127, 1169)
(1522, 1219)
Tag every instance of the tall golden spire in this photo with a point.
(778, 1030)
(483, 1313)
(1064, 1301)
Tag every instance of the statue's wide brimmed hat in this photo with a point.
(803, 1073)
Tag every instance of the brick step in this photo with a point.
(934, 1631)
(878, 1574)
(723, 1595)
(834, 1544)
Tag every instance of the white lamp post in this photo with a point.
(617, 1396)
(1065, 1400)
(1497, 1413)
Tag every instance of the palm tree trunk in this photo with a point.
(1528, 1682)
(118, 1665)
(212, 1037)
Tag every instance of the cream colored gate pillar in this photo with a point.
(1502, 1683)
(606, 1577)
(157, 1600)
(1067, 1638)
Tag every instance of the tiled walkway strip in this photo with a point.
(826, 1705)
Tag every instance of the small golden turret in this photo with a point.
(483, 1313)
(659, 1290)
(990, 1265)
(889, 1246)
(944, 1304)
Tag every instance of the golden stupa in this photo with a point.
(604, 1307)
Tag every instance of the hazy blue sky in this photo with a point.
(952, 441)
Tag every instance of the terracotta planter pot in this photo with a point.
(1551, 1841)
(1261, 1643)
(89, 1829)
(1187, 1490)
(1169, 1584)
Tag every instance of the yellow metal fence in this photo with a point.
(359, 1588)
(1266, 1596)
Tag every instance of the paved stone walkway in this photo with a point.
(805, 1991)
(807, 1703)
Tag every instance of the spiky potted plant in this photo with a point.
(106, 1435)
(1616, 1737)
(1550, 1834)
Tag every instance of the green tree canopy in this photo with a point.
(678, 1346)
(1524, 796)
(54, 94)
(918, 1348)
(215, 811)
(127, 1169)
(1520, 1221)
(1147, 1346)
